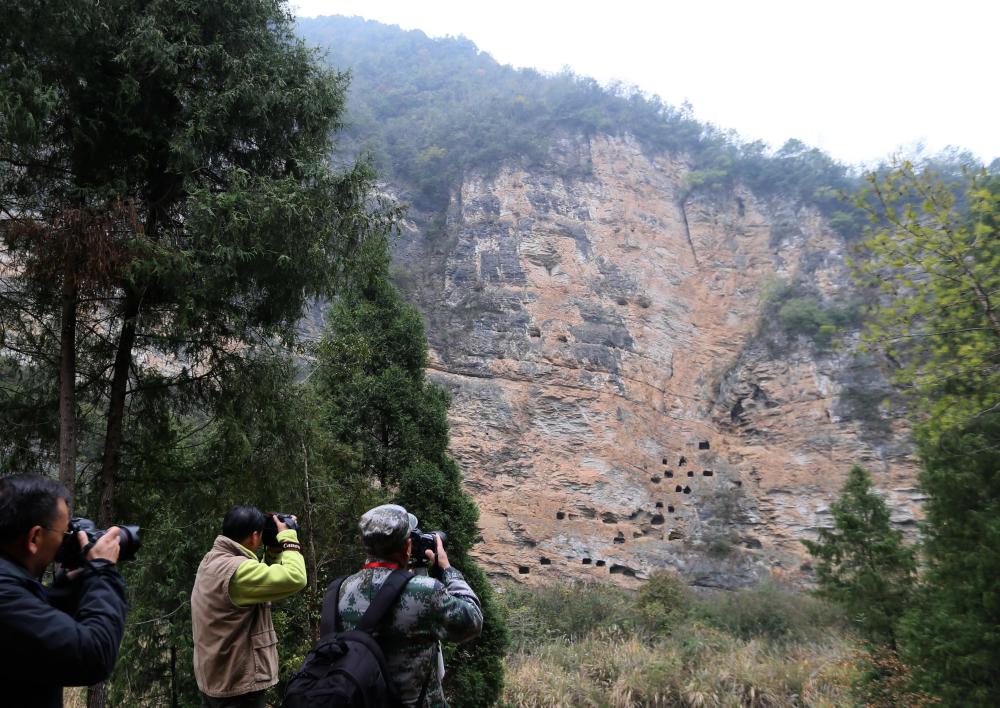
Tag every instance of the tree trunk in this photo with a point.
(67, 378)
(313, 569)
(116, 410)
(97, 695)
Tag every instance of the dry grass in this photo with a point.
(697, 662)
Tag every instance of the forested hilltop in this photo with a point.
(430, 109)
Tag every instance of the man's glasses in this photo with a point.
(65, 534)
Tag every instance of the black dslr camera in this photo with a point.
(425, 542)
(271, 528)
(71, 555)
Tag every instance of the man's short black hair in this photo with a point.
(28, 500)
(241, 521)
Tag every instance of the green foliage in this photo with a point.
(951, 636)
(378, 403)
(933, 257)
(566, 611)
(863, 563)
(769, 610)
(430, 121)
(797, 310)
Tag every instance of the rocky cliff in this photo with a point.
(623, 400)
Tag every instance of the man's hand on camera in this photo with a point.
(107, 546)
(442, 557)
(282, 526)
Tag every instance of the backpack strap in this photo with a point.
(329, 618)
(386, 597)
(383, 601)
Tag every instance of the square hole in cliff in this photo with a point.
(657, 520)
(545, 561)
(690, 473)
(655, 479)
(665, 461)
(659, 505)
(523, 569)
(560, 515)
(708, 473)
(622, 570)
(678, 488)
(670, 473)
(620, 538)
(687, 490)
(586, 561)
(681, 462)
(670, 509)
(534, 332)
(703, 445)
(600, 564)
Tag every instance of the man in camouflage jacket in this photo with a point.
(427, 611)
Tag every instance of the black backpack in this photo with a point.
(347, 669)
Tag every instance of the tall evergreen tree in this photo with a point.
(952, 636)
(864, 565)
(370, 369)
(208, 126)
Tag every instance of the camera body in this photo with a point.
(270, 537)
(424, 542)
(70, 555)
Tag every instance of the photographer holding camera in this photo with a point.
(45, 648)
(235, 646)
(427, 611)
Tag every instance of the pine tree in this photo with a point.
(167, 191)
(952, 635)
(371, 366)
(864, 564)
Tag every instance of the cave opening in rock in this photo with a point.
(657, 520)
(681, 462)
(523, 569)
(560, 515)
(703, 445)
(670, 473)
(622, 570)
(665, 461)
(670, 509)
(600, 564)
(586, 561)
(678, 488)
(545, 561)
(687, 490)
(620, 538)
(659, 505)
(655, 479)
(708, 473)
(690, 473)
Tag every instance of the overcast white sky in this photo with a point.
(859, 79)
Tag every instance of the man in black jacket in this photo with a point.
(43, 648)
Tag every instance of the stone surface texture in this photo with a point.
(615, 407)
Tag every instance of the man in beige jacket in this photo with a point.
(235, 646)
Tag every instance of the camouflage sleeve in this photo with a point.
(458, 608)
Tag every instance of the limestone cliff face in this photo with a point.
(616, 407)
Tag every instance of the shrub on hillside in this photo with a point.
(769, 611)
